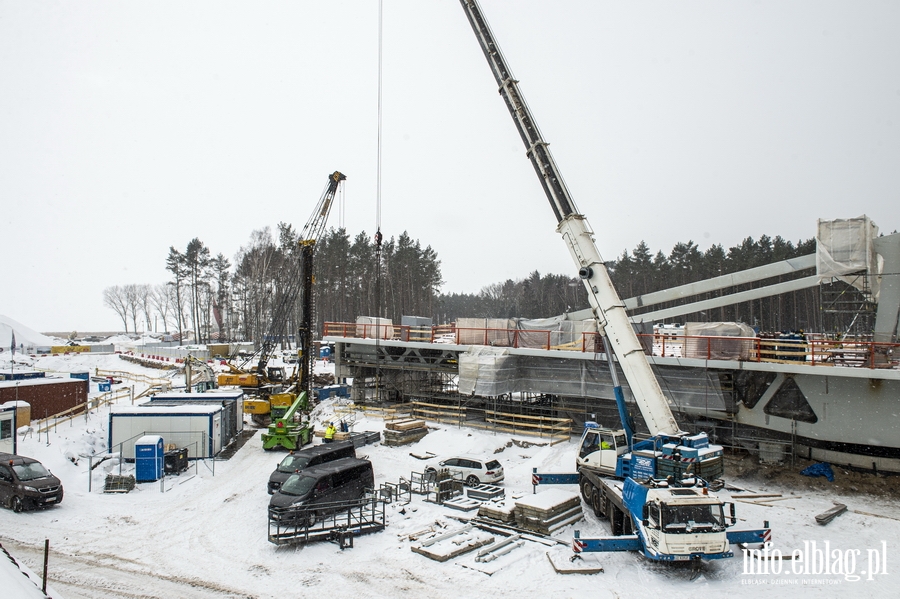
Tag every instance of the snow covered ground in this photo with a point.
(205, 535)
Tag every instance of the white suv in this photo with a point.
(474, 471)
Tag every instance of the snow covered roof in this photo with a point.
(24, 335)
(147, 409)
(41, 381)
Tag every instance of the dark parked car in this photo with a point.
(307, 458)
(308, 493)
(25, 483)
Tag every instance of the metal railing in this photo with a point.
(811, 351)
(303, 524)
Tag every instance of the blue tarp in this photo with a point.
(820, 469)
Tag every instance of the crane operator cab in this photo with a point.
(600, 448)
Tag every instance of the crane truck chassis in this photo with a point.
(673, 520)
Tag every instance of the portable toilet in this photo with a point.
(149, 458)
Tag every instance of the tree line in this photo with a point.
(354, 276)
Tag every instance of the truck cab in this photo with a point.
(600, 449)
(682, 524)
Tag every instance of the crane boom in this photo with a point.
(607, 307)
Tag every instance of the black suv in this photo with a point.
(24, 483)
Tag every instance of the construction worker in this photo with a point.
(329, 433)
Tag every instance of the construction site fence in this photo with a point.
(82, 410)
(134, 377)
(812, 350)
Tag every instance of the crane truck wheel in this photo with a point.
(587, 490)
(598, 502)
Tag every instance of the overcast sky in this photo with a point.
(130, 127)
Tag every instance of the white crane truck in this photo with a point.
(676, 519)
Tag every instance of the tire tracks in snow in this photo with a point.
(92, 575)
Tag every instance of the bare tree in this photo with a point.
(116, 298)
(133, 303)
(161, 297)
(144, 299)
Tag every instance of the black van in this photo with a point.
(307, 458)
(341, 480)
(24, 483)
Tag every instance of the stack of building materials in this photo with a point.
(359, 438)
(503, 511)
(548, 510)
(118, 484)
(402, 432)
(448, 545)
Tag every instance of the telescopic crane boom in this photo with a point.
(608, 308)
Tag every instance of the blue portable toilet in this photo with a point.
(325, 352)
(149, 458)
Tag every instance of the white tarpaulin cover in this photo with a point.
(485, 331)
(487, 370)
(374, 327)
(710, 340)
(845, 246)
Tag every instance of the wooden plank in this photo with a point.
(756, 496)
(829, 515)
(875, 515)
(439, 406)
(404, 425)
(527, 424)
(546, 418)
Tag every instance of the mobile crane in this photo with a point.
(268, 406)
(604, 453)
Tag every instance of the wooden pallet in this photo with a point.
(485, 492)
(462, 503)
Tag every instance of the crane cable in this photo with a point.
(378, 214)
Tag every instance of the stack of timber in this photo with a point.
(827, 516)
(503, 511)
(548, 510)
(402, 432)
